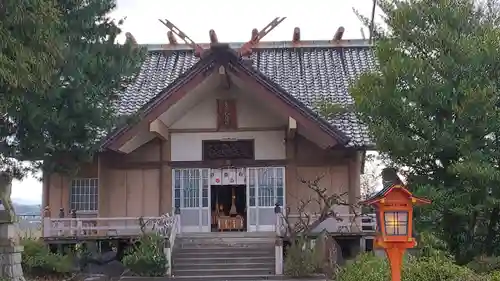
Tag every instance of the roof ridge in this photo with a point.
(269, 45)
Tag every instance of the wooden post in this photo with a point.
(46, 226)
(167, 251)
(395, 256)
(61, 227)
(73, 224)
(60, 224)
(278, 255)
(177, 214)
(278, 245)
(277, 224)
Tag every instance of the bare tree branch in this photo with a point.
(313, 211)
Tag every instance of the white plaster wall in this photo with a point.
(251, 113)
(269, 145)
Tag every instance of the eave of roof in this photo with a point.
(334, 127)
(200, 66)
(215, 53)
(298, 105)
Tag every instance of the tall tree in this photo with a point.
(29, 45)
(433, 107)
(60, 74)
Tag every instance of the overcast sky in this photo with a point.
(233, 21)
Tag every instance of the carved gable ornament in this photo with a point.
(226, 114)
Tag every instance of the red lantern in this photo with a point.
(394, 208)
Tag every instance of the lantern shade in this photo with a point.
(396, 223)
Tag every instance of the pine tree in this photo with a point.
(61, 71)
(433, 108)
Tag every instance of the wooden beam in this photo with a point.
(171, 38)
(135, 142)
(213, 36)
(159, 128)
(292, 128)
(338, 34)
(296, 35)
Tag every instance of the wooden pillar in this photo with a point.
(45, 191)
(64, 185)
(355, 178)
(161, 184)
(290, 172)
(166, 179)
(102, 206)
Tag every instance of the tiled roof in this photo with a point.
(310, 74)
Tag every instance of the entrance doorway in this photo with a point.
(199, 194)
(228, 207)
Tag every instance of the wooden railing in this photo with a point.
(341, 223)
(170, 243)
(75, 226)
(78, 227)
(344, 223)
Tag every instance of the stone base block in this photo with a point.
(10, 254)
(8, 230)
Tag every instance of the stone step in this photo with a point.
(215, 265)
(256, 241)
(227, 235)
(221, 260)
(217, 241)
(244, 278)
(225, 252)
(222, 250)
(235, 247)
(195, 271)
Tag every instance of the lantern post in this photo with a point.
(394, 210)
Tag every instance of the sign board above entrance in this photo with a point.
(228, 150)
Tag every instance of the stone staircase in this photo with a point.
(224, 256)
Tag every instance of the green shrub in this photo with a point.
(485, 264)
(437, 269)
(300, 260)
(147, 257)
(368, 267)
(37, 260)
(431, 246)
(495, 276)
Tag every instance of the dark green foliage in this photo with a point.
(147, 257)
(59, 103)
(37, 260)
(432, 107)
(30, 46)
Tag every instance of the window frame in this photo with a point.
(92, 193)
